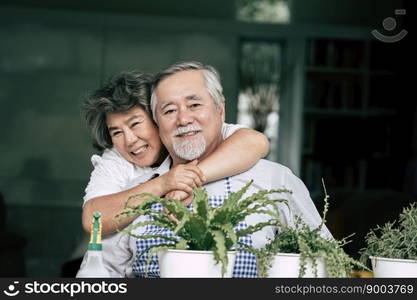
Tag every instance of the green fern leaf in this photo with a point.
(220, 251)
(200, 203)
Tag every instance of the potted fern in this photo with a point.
(206, 235)
(392, 248)
(300, 251)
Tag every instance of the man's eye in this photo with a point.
(194, 105)
(169, 111)
(135, 124)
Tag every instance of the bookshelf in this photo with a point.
(347, 114)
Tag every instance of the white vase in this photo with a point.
(287, 265)
(190, 263)
(392, 267)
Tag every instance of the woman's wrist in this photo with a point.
(207, 178)
(160, 185)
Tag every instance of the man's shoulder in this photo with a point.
(268, 165)
(267, 171)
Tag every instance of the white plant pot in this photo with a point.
(392, 267)
(287, 265)
(190, 263)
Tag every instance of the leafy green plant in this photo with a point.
(204, 227)
(311, 246)
(394, 239)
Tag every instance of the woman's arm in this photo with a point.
(182, 177)
(236, 154)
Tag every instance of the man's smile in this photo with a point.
(189, 133)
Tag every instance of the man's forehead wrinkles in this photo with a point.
(188, 98)
(193, 97)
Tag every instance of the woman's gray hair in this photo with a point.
(121, 93)
(211, 77)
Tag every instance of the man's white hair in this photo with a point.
(210, 74)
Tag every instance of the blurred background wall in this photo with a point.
(53, 52)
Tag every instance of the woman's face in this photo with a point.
(135, 136)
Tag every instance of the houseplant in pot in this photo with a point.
(201, 230)
(300, 251)
(392, 248)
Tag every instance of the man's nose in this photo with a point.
(184, 117)
(130, 137)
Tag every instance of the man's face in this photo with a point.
(189, 121)
(135, 136)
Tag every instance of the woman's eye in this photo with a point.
(116, 133)
(195, 105)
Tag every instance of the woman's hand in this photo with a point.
(181, 196)
(183, 178)
(179, 183)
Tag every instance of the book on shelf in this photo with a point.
(335, 53)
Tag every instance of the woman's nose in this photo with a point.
(130, 137)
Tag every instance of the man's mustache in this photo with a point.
(186, 129)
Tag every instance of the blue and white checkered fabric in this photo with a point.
(245, 264)
(139, 267)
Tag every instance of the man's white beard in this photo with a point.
(190, 148)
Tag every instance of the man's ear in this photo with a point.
(223, 111)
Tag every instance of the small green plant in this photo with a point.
(204, 227)
(311, 246)
(393, 239)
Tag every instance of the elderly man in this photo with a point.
(188, 106)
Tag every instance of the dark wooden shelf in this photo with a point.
(346, 119)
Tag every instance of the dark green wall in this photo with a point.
(48, 61)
